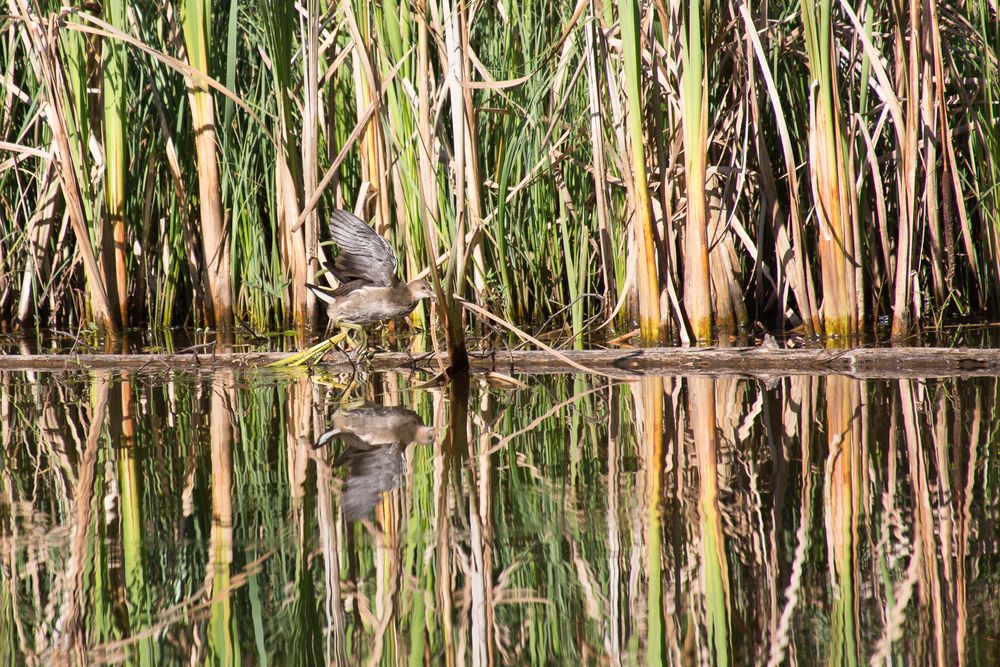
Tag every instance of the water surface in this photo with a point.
(262, 519)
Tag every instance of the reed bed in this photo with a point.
(694, 166)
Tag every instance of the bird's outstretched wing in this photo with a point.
(361, 253)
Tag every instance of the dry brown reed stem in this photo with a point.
(425, 131)
(694, 86)
(47, 64)
(940, 114)
(387, 575)
(952, 190)
(964, 506)
(472, 176)
(293, 243)
(614, 566)
(453, 56)
(221, 436)
(832, 177)
(40, 228)
(706, 420)
(214, 236)
(428, 190)
(596, 128)
(374, 165)
(828, 179)
(310, 156)
(647, 395)
(908, 68)
(329, 541)
(446, 452)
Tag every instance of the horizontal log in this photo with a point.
(886, 362)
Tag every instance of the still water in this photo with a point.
(262, 519)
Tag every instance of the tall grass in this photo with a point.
(692, 166)
(649, 292)
(115, 80)
(694, 119)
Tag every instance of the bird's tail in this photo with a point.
(326, 437)
(322, 293)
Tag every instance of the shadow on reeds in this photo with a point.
(243, 518)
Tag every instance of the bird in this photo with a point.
(374, 437)
(369, 290)
(365, 267)
(376, 425)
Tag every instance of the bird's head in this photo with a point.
(421, 289)
(425, 435)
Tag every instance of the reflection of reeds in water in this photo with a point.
(74, 603)
(223, 630)
(674, 521)
(796, 414)
(648, 394)
(704, 418)
(841, 506)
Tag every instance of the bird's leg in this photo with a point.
(361, 343)
(368, 352)
(353, 331)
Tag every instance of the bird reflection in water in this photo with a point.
(374, 437)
